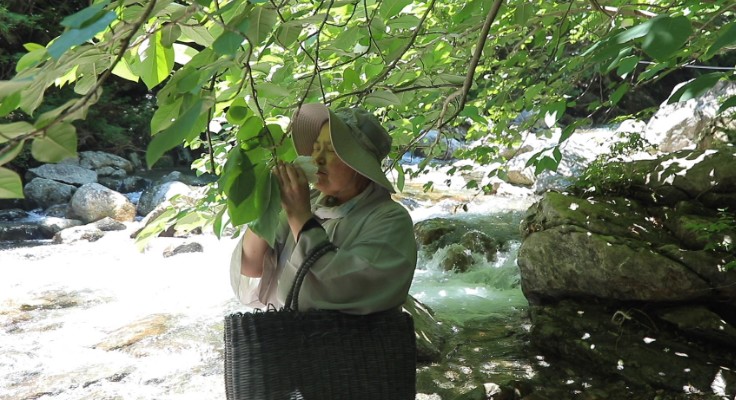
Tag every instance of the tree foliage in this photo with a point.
(229, 74)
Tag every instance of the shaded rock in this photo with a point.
(52, 225)
(111, 172)
(12, 214)
(93, 202)
(20, 231)
(46, 192)
(65, 173)
(193, 247)
(683, 124)
(97, 160)
(457, 258)
(579, 247)
(431, 334)
(703, 323)
(626, 343)
(156, 195)
(430, 232)
(148, 327)
(58, 211)
(78, 233)
(480, 243)
(108, 224)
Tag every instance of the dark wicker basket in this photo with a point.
(319, 355)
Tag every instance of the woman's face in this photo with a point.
(334, 177)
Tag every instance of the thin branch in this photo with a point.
(413, 38)
(492, 14)
(98, 85)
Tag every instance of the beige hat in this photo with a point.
(357, 137)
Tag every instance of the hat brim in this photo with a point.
(307, 123)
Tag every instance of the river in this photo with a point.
(102, 320)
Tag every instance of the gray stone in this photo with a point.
(97, 159)
(193, 247)
(45, 193)
(65, 173)
(93, 202)
(78, 233)
(156, 195)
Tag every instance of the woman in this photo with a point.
(375, 257)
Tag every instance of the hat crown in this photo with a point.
(367, 130)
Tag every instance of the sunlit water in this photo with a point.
(72, 316)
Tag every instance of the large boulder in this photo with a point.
(45, 193)
(65, 173)
(153, 196)
(93, 202)
(655, 245)
(105, 163)
(685, 124)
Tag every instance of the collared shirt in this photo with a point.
(370, 271)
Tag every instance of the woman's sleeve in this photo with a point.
(257, 292)
(370, 272)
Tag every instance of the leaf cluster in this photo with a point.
(228, 74)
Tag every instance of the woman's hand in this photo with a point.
(294, 195)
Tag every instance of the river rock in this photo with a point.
(93, 202)
(12, 214)
(65, 173)
(45, 193)
(682, 125)
(126, 336)
(431, 335)
(152, 197)
(78, 233)
(192, 247)
(110, 164)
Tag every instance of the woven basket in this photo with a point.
(319, 355)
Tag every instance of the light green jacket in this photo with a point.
(370, 271)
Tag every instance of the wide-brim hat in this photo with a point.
(357, 136)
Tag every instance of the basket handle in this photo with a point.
(292, 300)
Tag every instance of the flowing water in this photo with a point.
(104, 321)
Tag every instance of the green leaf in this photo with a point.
(726, 38)
(553, 112)
(170, 34)
(155, 61)
(14, 86)
(218, 227)
(401, 178)
(626, 65)
(175, 134)
(271, 90)
(666, 36)
(59, 143)
(287, 35)
(266, 224)
(12, 153)
(9, 104)
(262, 21)
(236, 114)
(75, 37)
(85, 16)
(14, 129)
(238, 178)
(392, 8)
(30, 59)
(523, 13)
(546, 163)
(730, 102)
(382, 98)
(11, 186)
(619, 93)
(250, 129)
(252, 207)
(696, 87)
(228, 43)
(123, 70)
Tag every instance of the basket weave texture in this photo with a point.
(319, 354)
